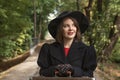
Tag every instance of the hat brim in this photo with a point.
(80, 17)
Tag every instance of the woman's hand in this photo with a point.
(63, 70)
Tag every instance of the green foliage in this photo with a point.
(100, 30)
(11, 46)
(6, 47)
(66, 5)
(16, 25)
(101, 23)
(43, 9)
(22, 42)
(115, 57)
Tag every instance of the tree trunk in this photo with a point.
(99, 7)
(88, 9)
(34, 19)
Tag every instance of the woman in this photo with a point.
(68, 55)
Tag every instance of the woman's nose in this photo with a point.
(70, 27)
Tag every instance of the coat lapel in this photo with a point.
(58, 52)
(76, 51)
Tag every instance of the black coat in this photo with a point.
(81, 57)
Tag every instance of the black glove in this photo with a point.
(63, 70)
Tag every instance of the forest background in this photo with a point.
(23, 23)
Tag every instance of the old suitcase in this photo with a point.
(60, 78)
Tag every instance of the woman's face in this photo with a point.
(69, 29)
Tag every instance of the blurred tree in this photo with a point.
(112, 36)
(15, 27)
(17, 17)
(43, 9)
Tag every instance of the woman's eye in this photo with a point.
(66, 25)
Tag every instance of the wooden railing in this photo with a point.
(60, 78)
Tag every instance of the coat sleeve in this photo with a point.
(90, 62)
(44, 61)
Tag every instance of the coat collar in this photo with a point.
(59, 54)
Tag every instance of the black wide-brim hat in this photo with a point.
(79, 16)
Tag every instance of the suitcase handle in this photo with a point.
(56, 72)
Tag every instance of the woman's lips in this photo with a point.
(70, 33)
